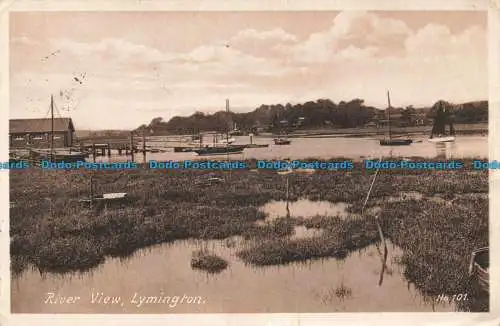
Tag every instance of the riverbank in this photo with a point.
(460, 129)
(437, 229)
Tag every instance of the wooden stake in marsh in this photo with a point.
(384, 259)
(144, 148)
(132, 146)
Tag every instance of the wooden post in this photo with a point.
(109, 150)
(132, 146)
(287, 198)
(93, 151)
(91, 190)
(144, 147)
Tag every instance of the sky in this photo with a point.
(118, 70)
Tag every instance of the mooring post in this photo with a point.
(91, 190)
(144, 148)
(132, 146)
(287, 198)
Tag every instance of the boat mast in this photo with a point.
(227, 135)
(51, 126)
(389, 114)
(228, 119)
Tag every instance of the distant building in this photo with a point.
(380, 119)
(418, 119)
(37, 133)
(298, 123)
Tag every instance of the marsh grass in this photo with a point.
(342, 237)
(343, 292)
(277, 228)
(52, 231)
(209, 262)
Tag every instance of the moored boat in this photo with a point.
(395, 142)
(217, 150)
(282, 141)
(183, 149)
(442, 139)
(390, 141)
(57, 156)
(479, 268)
(256, 145)
(439, 128)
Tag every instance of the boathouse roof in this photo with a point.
(22, 126)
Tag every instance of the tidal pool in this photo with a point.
(326, 285)
(304, 208)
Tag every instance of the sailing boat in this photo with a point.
(391, 141)
(218, 148)
(282, 140)
(51, 155)
(439, 127)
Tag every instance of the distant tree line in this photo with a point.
(322, 113)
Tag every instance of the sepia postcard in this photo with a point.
(243, 160)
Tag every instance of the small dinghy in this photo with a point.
(442, 139)
(282, 141)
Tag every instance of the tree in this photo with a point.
(156, 121)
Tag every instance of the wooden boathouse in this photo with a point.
(37, 133)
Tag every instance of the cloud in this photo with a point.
(212, 53)
(112, 49)
(22, 40)
(437, 41)
(265, 43)
(358, 29)
(276, 34)
(360, 54)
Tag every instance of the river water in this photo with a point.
(326, 285)
(325, 148)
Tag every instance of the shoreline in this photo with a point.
(461, 129)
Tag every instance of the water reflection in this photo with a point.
(303, 208)
(313, 286)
